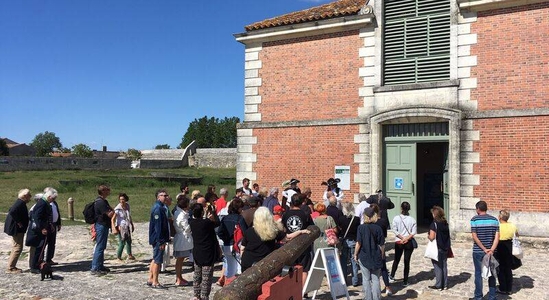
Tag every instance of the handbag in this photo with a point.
(431, 251)
(515, 263)
(330, 233)
(450, 252)
(517, 248)
(412, 240)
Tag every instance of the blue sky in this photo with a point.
(124, 74)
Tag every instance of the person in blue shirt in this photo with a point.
(159, 235)
(485, 232)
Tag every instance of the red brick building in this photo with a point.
(436, 102)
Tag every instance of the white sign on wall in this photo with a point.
(344, 174)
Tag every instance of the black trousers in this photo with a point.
(504, 255)
(407, 249)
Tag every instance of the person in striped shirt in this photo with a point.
(485, 232)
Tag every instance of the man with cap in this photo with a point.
(290, 188)
(384, 204)
(336, 191)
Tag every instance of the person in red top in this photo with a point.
(222, 201)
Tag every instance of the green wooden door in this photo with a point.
(400, 176)
(445, 188)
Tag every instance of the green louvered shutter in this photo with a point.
(416, 41)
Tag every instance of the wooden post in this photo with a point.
(70, 202)
(247, 286)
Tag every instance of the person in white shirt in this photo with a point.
(52, 235)
(404, 227)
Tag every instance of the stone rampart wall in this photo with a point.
(214, 158)
(60, 163)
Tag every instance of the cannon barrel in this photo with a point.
(248, 284)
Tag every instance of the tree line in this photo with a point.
(208, 132)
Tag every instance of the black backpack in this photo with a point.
(89, 212)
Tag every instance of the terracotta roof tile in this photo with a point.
(331, 10)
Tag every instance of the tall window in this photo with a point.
(416, 41)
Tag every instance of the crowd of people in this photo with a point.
(203, 229)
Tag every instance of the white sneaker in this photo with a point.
(391, 279)
(388, 292)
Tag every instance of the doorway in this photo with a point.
(431, 164)
(415, 159)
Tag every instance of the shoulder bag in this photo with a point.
(330, 233)
(431, 251)
(412, 240)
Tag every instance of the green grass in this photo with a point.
(82, 186)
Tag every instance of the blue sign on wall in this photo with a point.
(399, 183)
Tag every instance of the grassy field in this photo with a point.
(81, 185)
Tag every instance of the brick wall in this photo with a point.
(514, 163)
(312, 78)
(306, 153)
(513, 61)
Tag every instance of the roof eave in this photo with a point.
(482, 5)
(345, 23)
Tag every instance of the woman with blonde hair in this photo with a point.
(439, 231)
(369, 249)
(262, 238)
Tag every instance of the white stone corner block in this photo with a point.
(250, 108)
(470, 135)
(255, 117)
(244, 167)
(468, 202)
(464, 95)
(365, 91)
(467, 191)
(252, 100)
(241, 175)
(361, 138)
(252, 82)
(247, 157)
(246, 140)
(254, 64)
(464, 72)
(470, 157)
(466, 168)
(467, 39)
(251, 73)
(467, 61)
(466, 146)
(361, 178)
(249, 56)
(251, 91)
(464, 50)
(361, 158)
(244, 148)
(468, 179)
(367, 71)
(464, 28)
(468, 83)
(366, 51)
(244, 132)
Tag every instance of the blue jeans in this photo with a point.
(370, 283)
(346, 255)
(102, 233)
(477, 260)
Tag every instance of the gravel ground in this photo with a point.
(127, 279)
